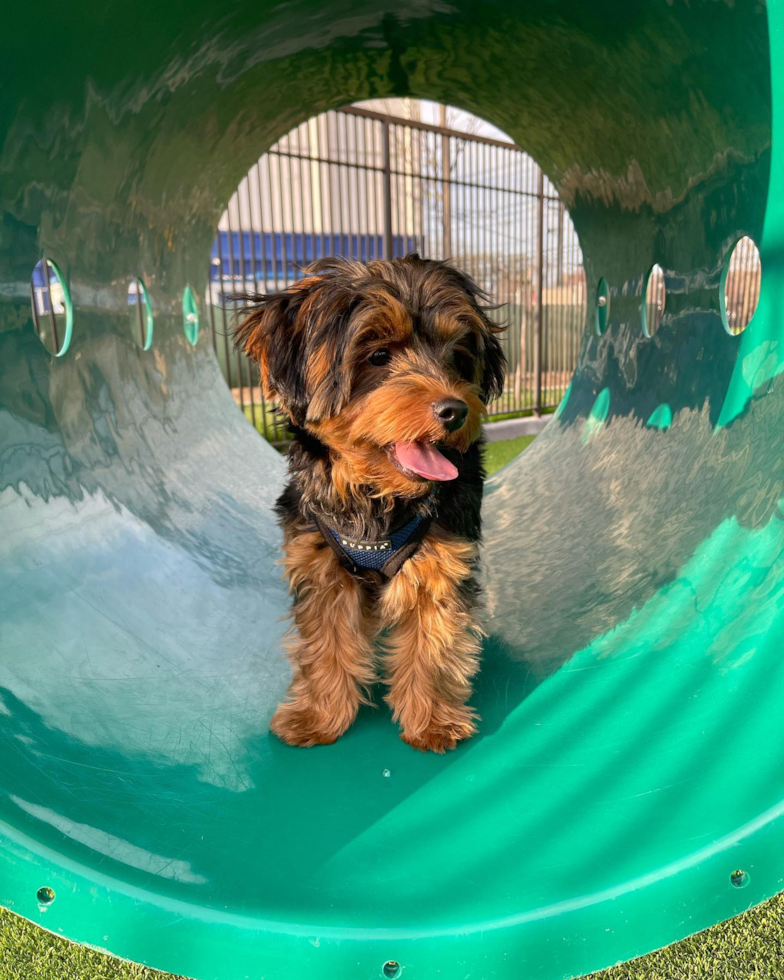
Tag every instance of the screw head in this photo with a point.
(45, 895)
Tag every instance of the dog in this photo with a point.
(385, 372)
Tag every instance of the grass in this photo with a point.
(749, 947)
(30, 953)
(498, 454)
(269, 418)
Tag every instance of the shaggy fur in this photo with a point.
(357, 356)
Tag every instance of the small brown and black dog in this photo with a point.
(384, 371)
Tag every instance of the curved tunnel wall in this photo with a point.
(633, 573)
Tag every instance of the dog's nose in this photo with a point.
(452, 412)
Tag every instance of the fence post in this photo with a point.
(446, 183)
(387, 164)
(539, 290)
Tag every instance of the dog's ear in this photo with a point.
(271, 330)
(327, 353)
(494, 365)
(493, 358)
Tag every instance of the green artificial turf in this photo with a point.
(750, 947)
(498, 454)
(30, 953)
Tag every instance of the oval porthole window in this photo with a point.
(190, 315)
(740, 285)
(52, 307)
(140, 313)
(653, 300)
(602, 306)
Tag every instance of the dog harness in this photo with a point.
(384, 555)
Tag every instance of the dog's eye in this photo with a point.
(465, 365)
(380, 357)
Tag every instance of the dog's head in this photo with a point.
(384, 363)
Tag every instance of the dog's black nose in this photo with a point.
(452, 412)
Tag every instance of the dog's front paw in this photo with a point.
(302, 726)
(440, 737)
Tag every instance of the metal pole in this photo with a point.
(240, 381)
(350, 110)
(446, 176)
(387, 164)
(211, 309)
(222, 298)
(559, 253)
(539, 290)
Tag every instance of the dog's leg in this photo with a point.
(331, 647)
(433, 647)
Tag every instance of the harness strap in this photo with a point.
(386, 557)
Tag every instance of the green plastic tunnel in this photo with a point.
(627, 786)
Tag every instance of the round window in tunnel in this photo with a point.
(323, 189)
(190, 315)
(140, 313)
(740, 285)
(653, 300)
(51, 307)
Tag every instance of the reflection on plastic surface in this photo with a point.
(632, 559)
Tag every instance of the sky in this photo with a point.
(429, 112)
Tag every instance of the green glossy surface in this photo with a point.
(630, 755)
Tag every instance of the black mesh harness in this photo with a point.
(385, 555)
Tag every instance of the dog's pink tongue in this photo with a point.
(426, 460)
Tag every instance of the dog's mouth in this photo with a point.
(421, 459)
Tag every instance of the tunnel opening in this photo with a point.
(388, 178)
(141, 647)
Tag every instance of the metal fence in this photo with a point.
(366, 185)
